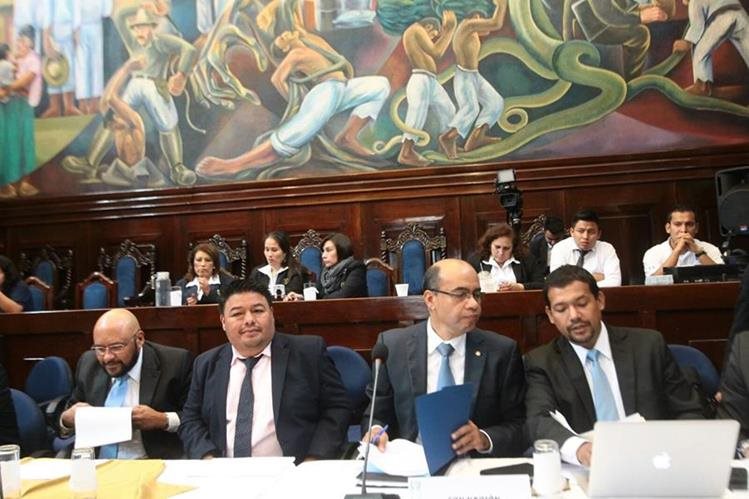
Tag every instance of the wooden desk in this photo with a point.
(695, 314)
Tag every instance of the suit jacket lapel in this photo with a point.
(99, 387)
(475, 359)
(417, 359)
(279, 362)
(219, 385)
(149, 375)
(624, 362)
(575, 372)
(517, 269)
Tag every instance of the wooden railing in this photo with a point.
(696, 314)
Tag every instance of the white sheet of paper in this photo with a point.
(401, 457)
(557, 416)
(95, 426)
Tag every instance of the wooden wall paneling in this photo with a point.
(324, 219)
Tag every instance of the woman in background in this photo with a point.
(282, 267)
(15, 295)
(510, 269)
(203, 281)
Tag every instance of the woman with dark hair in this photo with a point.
(499, 255)
(204, 279)
(15, 295)
(281, 269)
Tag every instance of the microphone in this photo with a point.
(379, 355)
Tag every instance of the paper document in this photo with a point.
(401, 457)
(95, 426)
(557, 416)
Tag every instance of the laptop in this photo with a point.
(686, 458)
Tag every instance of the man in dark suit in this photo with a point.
(734, 403)
(151, 378)
(541, 244)
(488, 360)
(264, 393)
(594, 372)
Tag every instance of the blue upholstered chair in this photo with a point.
(687, 356)
(308, 253)
(32, 428)
(411, 252)
(54, 270)
(232, 260)
(131, 266)
(356, 375)
(380, 277)
(42, 294)
(96, 291)
(49, 379)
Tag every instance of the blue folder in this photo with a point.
(438, 414)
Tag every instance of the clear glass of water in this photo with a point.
(83, 474)
(10, 469)
(547, 467)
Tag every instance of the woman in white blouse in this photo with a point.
(203, 281)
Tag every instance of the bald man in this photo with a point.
(123, 369)
(490, 361)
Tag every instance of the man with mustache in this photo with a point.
(594, 372)
(445, 350)
(122, 369)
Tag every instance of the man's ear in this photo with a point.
(601, 300)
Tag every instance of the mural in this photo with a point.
(108, 95)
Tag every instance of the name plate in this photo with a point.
(470, 487)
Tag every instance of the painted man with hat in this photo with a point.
(150, 88)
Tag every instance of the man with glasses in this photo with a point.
(586, 250)
(122, 369)
(445, 350)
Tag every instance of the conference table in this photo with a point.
(278, 478)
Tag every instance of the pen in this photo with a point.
(380, 433)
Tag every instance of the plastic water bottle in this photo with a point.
(163, 288)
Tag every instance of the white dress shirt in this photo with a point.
(606, 361)
(655, 256)
(264, 439)
(214, 279)
(601, 259)
(501, 273)
(457, 365)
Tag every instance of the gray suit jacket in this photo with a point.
(493, 365)
(164, 381)
(649, 379)
(735, 386)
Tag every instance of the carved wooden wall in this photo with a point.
(631, 196)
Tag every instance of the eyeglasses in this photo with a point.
(114, 348)
(461, 295)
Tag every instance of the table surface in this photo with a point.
(278, 478)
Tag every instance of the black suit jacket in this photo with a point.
(527, 272)
(740, 315)
(735, 386)
(164, 382)
(292, 279)
(539, 250)
(493, 365)
(212, 297)
(8, 423)
(310, 407)
(649, 380)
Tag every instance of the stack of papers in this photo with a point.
(401, 458)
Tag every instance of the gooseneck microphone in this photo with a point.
(379, 355)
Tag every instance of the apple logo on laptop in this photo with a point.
(662, 461)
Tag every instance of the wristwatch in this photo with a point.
(700, 253)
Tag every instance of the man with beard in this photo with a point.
(122, 369)
(594, 372)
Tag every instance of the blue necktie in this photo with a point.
(243, 426)
(603, 398)
(115, 398)
(445, 376)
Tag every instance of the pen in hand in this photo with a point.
(376, 439)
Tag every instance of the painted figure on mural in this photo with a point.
(89, 51)
(59, 48)
(332, 93)
(712, 22)
(425, 42)
(131, 167)
(479, 103)
(150, 88)
(17, 119)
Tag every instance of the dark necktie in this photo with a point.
(581, 258)
(243, 427)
